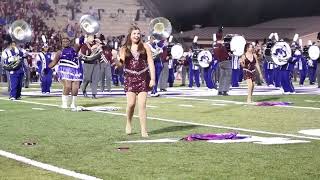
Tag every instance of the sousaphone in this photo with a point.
(90, 26)
(20, 32)
(160, 28)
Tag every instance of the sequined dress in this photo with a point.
(136, 73)
(249, 69)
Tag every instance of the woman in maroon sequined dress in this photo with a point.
(250, 64)
(139, 76)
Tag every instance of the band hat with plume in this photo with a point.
(219, 34)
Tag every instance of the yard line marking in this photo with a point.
(185, 105)
(39, 109)
(299, 107)
(47, 166)
(196, 124)
(213, 100)
(214, 104)
(311, 101)
(149, 106)
(311, 132)
(237, 102)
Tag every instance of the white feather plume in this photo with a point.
(44, 40)
(195, 39)
(276, 36)
(170, 38)
(295, 37)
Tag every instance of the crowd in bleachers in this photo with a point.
(38, 13)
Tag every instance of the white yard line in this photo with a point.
(192, 123)
(39, 109)
(214, 104)
(47, 166)
(237, 102)
(185, 105)
(213, 100)
(312, 101)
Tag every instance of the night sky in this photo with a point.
(185, 13)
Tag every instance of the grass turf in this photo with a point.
(85, 141)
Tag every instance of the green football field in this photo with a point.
(87, 142)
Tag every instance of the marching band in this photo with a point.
(278, 59)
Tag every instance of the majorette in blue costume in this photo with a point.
(70, 71)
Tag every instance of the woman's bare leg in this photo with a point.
(250, 90)
(142, 103)
(131, 103)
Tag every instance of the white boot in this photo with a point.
(64, 99)
(73, 103)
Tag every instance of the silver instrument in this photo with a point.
(89, 24)
(20, 31)
(160, 28)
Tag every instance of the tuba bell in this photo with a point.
(20, 31)
(160, 28)
(89, 24)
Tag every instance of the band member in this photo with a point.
(184, 69)
(156, 49)
(172, 66)
(302, 68)
(208, 74)
(27, 66)
(164, 75)
(105, 68)
(268, 71)
(318, 72)
(117, 76)
(318, 61)
(286, 71)
(136, 59)
(277, 75)
(194, 70)
(44, 58)
(69, 71)
(235, 63)
(312, 69)
(13, 58)
(249, 62)
(91, 69)
(221, 54)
